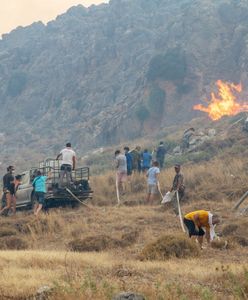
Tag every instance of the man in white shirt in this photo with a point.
(121, 170)
(152, 182)
(67, 164)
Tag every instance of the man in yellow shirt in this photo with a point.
(199, 219)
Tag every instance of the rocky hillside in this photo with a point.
(116, 71)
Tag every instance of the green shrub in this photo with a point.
(170, 66)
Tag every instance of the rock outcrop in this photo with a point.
(116, 71)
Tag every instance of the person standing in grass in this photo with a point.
(136, 159)
(152, 182)
(39, 185)
(177, 187)
(9, 191)
(129, 161)
(121, 170)
(160, 154)
(195, 221)
(146, 160)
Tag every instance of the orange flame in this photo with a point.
(224, 104)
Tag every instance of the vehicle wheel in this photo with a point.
(75, 204)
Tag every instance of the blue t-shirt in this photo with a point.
(129, 161)
(152, 175)
(146, 157)
(39, 184)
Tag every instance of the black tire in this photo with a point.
(75, 204)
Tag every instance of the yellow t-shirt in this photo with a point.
(203, 217)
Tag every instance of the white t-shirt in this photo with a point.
(67, 156)
(121, 163)
(152, 172)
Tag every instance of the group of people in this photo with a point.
(130, 161)
(11, 182)
(150, 164)
(141, 161)
(198, 223)
(137, 161)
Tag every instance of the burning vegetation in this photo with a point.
(225, 102)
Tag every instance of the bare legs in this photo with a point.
(9, 200)
(38, 208)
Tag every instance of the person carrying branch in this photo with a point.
(177, 187)
(195, 221)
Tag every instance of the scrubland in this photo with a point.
(112, 243)
(98, 251)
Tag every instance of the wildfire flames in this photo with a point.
(225, 102)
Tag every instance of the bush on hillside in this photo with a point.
(171, 66)
(170, 246)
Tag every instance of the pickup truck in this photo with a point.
(56, 195)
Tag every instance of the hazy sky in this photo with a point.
(24, 12)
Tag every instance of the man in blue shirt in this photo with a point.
(129, 161)
(152, 182)
(160, 154)
(146, 160)
(39, 185)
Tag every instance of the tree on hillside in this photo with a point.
(170, 66)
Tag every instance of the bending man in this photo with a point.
(197, 220)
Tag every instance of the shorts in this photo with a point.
(66, 168)
(40, 196)
(121, 177)
(10, 191)
(192, 229)
(152, 189)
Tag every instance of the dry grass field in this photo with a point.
(110, 240)
(97, 252)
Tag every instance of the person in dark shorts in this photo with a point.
(197, 220)
(9, 191)
(67, 165)
(39, 185)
